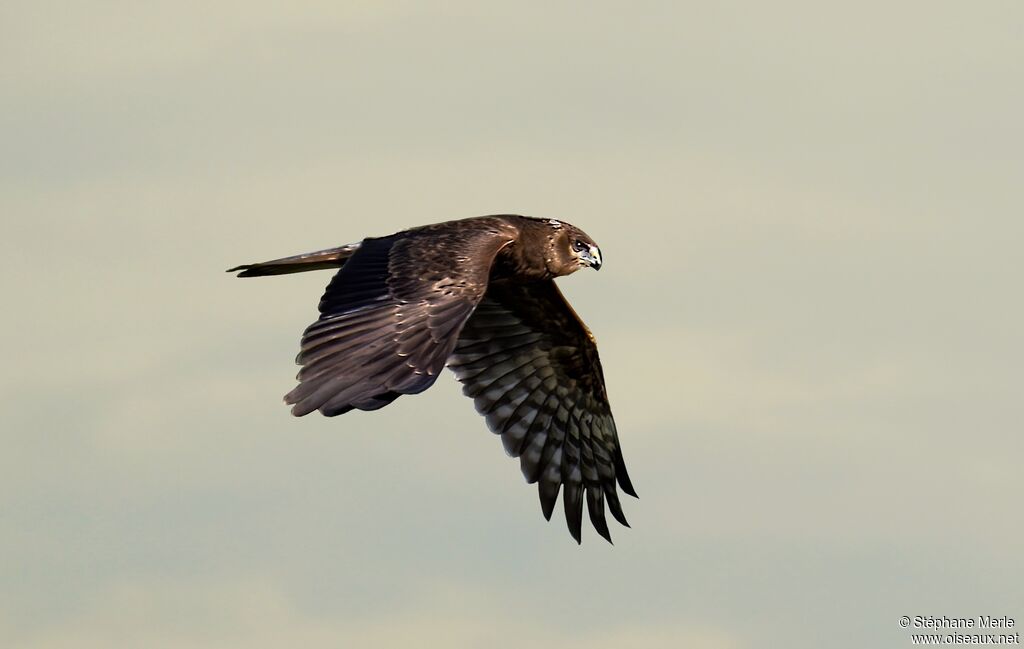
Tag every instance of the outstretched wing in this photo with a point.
(532, 369)
(390, 317)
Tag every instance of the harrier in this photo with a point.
(479, 296)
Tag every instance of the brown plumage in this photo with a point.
(478, 296)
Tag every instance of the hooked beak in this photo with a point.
(592, 257)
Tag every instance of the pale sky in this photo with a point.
(809, 317)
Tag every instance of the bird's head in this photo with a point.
(570, 249)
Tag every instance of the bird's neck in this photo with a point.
(522, 263)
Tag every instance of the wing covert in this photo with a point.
(391, 315)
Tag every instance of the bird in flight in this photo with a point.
(479, 296)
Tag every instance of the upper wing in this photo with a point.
(391, 315)
(532, 369)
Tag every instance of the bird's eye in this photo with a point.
(579, 245)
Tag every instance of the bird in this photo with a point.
(476, 295)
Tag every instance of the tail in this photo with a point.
(319, 260)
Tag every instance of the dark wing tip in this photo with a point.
(577, 534)
(595, 507)
(614, 506)
(572, 498)
(548, 490)
(622, 475)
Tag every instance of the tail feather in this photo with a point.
(319, 260)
